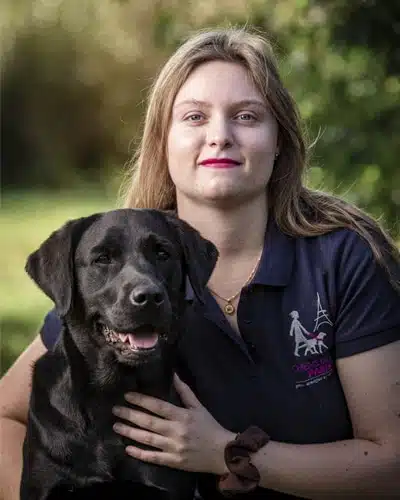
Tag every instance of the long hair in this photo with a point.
(297, 210)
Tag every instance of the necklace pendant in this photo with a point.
(229, 309)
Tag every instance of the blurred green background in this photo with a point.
(74, 77)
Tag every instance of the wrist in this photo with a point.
(220, 467)
(242, 476)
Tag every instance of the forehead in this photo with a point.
(125, 227)
(214, 80)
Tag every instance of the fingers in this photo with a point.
(156, 457)
(142, 436)
(156, 406)
(143, 420)
(166, 456)
(186, 394)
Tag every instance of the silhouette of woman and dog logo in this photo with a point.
(312, 343)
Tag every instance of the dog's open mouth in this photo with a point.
(144, 338)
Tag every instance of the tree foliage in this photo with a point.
(75, 75)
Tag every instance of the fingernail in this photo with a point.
(117, 427)
(116, 410)
(130, 396)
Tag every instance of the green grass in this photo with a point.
(26, 220)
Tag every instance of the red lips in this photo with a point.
(220, 162)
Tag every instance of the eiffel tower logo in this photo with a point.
(322, 316)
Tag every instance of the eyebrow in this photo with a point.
(112, 240)
(244, 102)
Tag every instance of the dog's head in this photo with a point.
(124, 273)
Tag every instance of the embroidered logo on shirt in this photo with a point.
(311, 372)
(308, 344)
(312, 343)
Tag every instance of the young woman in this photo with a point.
(299, 333)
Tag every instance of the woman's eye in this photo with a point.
(195, 117)
(102, 259)
(246, 117)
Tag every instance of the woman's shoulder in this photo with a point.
(338, 239)
(340, 246)
(51, 329)
(338, 252)
(347, 256)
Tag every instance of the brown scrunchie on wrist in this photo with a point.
(243, 476)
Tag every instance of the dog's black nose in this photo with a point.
(145, 295)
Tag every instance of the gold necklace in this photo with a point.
(229, 308)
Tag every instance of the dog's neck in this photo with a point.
(154, 379)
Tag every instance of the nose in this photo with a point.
(146, 295)
(219, 133)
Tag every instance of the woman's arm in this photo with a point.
(15, 388)
(367, 466)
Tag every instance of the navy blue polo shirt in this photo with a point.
(313, 300)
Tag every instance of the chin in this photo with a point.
(229, 197)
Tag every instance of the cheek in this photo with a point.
(262, 143)
(93, 286)
(171, 276)
(182, 144)
(261, 148)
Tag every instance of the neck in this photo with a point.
(237, 230)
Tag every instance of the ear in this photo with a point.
(200, 254)
(51, 266)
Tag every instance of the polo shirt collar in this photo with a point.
(276, 262)
(189, 293)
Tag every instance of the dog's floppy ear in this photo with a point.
(200, 254)
(51, 265)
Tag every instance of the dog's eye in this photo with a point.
(102, 259)
(161, 253)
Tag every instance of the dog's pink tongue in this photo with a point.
(143, 340)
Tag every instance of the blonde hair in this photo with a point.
(297, 210)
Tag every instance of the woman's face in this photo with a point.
(223, 138)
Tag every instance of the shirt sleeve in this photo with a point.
(368, 314)
(51, 329)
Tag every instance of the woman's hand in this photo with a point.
(186, 438)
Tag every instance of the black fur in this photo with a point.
(97, 270)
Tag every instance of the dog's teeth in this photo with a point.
(109, 334)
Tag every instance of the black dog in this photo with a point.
(118, 282)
